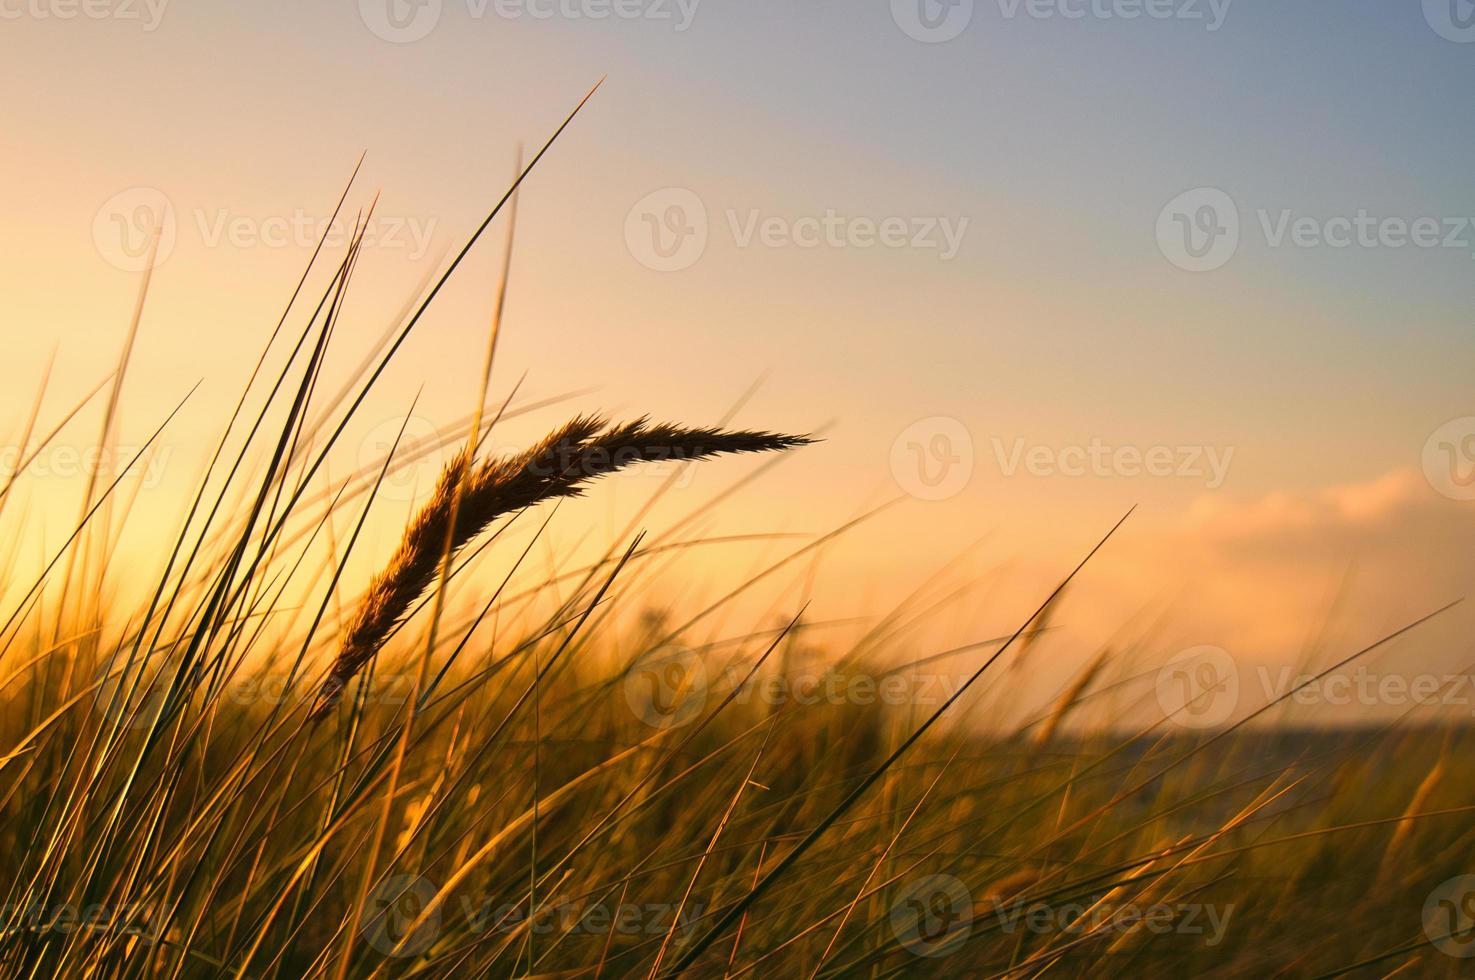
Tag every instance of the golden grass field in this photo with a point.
(216, 781)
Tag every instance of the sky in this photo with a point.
(1024, 264)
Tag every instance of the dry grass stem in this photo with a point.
(561, 465)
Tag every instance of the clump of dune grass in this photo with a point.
(471, 495)
(692, 799)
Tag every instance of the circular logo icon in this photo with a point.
(128, 693)
(125, 227)
(932, 916)
(932, 21)
(400, 21)
(666, 687)
(932, 459)
(418, 459)
(1198, 230)
(1199, 688)
(666, 230)
(1449, 458)
(1449, 916)
(1453, 20)
(390, 913)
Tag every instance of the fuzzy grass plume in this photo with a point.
(474, 494)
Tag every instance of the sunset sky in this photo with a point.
(1217, 262)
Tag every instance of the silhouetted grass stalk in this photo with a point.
(561, 465)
